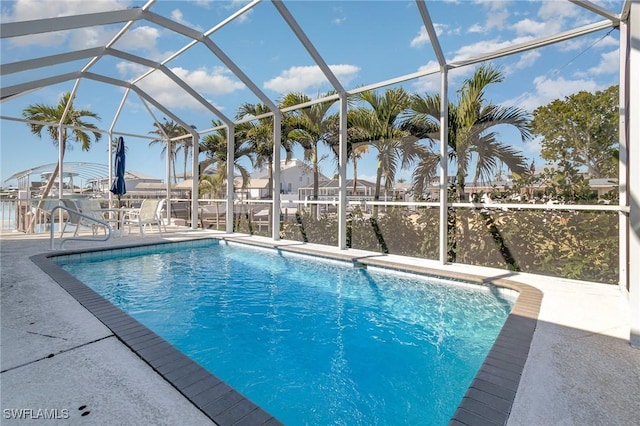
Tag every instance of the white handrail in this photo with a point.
(64, 240)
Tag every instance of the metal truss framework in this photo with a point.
(628, 21)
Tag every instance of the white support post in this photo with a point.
(633, 166)
(277, 143)
(60, 174)
(623, 172)
(168, 186)
(230, 160)
(342, 172)
(195, 174)
(444, 181)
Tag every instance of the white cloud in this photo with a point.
(26, 10)
(423, 36)
(609, 63)
(497, 14)
(532, 147)
(432, 82)
(299, 79)
(526, 60)
(421, 39)
(553, 10)
(207, 82)
(429, 83)
(178, 16)
(341, 16)
(548, 89)
(235, 5)
(536, 28)
(573, 44)
(484, 46)
(142, 39)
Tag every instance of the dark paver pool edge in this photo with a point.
(217, 400)
(488, 399)
(490, 396)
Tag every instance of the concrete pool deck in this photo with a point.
(580, 368)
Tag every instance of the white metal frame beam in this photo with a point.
(632, 119)
(63, 23)
(335, 83)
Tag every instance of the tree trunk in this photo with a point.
(376, 195)
(270, 185)
(47, 188)
(355, 176)
(316, 175)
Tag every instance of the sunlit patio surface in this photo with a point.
(56, 356)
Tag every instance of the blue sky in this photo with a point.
(363, 42)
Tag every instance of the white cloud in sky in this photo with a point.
(536, 28)
(340, 18)
(178, 16)
(548, 89)
(302, 78)
(431, 83)
(484, 46)
(526, 60)
(423, 36)
(574, 44)
(142, 37)
(207, 82)
(497, 14)
(26, 10)
(551, 10)
(234, 5)
(421, 39)
(532, 147)
(609, 63)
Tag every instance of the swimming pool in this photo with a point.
(311, 341)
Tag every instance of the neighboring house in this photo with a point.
(600, 187)
(138, 185)
(294, 174)
(365, 190)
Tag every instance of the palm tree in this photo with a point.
(259, 134)
(470, 134)
(171, 130)
(214, 146)
(310, 126)
(380, 127)
(55, 114)
(356, 154)
(186, 146)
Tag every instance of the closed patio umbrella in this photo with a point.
(118, 186)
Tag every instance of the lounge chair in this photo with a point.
(212, 216)
(149, 213)
(91, 207)
(87, 208)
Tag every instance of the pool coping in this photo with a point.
(488, 399)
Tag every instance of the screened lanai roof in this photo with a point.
(194, 61)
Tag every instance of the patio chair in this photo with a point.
(91, 207)
(212, 216)
(149, 213)
(77, 221)
(71, 218)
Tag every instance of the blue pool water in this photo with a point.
(312, 342)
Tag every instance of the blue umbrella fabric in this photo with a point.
(118, 186)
